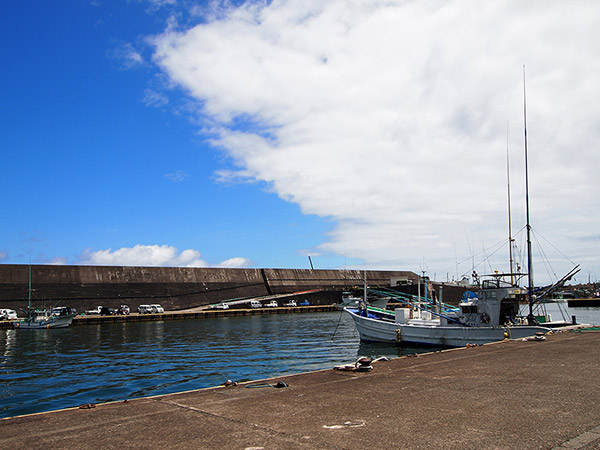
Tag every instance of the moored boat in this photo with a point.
(41, 318)
(489, 314)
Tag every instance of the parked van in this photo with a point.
(8, 314)
(255, 304)
(156, 308)
(145, 309)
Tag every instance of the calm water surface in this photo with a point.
(43, 370)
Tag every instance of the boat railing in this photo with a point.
(410, 299)
(424, 307)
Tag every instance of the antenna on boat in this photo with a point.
(510, 238)
(530, 317)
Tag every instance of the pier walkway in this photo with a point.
(513, 395)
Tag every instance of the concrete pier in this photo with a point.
(512, 394)
(195, 313)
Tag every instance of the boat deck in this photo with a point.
(512, 394)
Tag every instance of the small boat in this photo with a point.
(350, 300)
(41, 318)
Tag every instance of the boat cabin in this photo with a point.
(495, 304)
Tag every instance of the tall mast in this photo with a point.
(510, 239)
(530, 317)
(29, 290)
(365, 286)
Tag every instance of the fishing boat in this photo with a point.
(489, 313)
(42, 318)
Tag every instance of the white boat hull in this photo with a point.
(376, 330)
(50, 322)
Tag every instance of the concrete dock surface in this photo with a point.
(513, 395)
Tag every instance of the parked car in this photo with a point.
(255, 304)
(156, 308)
(221, 306)
(96, 310)
(145, 309)
(106, 311)
(304, 303)
(8, 314)
(63, 311)
(123, 310)
(291, 303)
(272, 304)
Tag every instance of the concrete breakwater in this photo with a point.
(175, 288)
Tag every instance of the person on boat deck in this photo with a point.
(475, 277)
(362, 308)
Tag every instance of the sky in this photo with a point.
(368, 134)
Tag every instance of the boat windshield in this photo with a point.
(495, 283)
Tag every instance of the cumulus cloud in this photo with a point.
(145, 255)
(390, 117)
(58, 261)
(154, 255)
(238, 262)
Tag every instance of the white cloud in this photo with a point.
(177, 176)
(154, 255)
(154, 98)
(126, 55)
(144, 255)
(237, 262)
(390, 117)
(58, 261)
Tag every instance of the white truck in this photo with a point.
(95, 311)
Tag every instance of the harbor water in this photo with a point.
(43, 370)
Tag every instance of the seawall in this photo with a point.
(176, 288)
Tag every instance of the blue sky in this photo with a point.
(366, 134)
